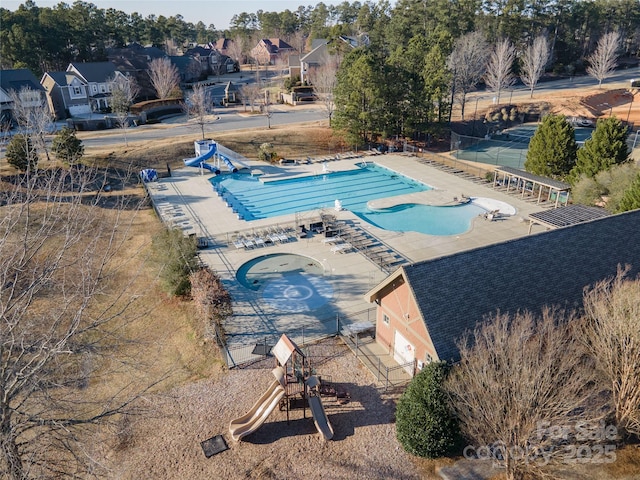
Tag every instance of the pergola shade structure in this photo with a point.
(566, 217)
(547, 189)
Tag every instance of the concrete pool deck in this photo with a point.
(188, 199)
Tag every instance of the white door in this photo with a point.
(403, 351)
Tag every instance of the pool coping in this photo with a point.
(433, 197)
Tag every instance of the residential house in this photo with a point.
(133, 61)
(83, 89)
(25, 85)
(294, 66)
(222, 45)
(424, 308)
(361, 40)
(189, 69)
(268, 50)
(315, 58)
(322, 50)
(213, 62)
(201, 54)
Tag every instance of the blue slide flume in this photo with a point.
(200, 161)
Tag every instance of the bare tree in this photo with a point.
(324, 80)
(299, 41)
(164, 77)
(200, 106)
(612, 334)
(236, 49)
(63, 301)
(533, 62)
(250, 93)
(282, 69)
(467, 63)
(499, 73)
(124, 90)
(32, 114)
(605, 57)
(522, 384)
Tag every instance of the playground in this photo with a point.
(295, 387)
(364, 444)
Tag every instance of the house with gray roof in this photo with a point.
(83, 89)
(25, 85)
(315, 58)
(425, 308)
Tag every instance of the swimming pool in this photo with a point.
(449, 220)
(254, 199)
(288, 282)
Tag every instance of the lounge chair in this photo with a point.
(331, 240)
(342, 248)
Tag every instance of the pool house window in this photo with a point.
(385, 319)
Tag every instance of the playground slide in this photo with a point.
(255, 417)
(200, 160)
(320, 417)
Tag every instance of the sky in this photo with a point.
(216, 12)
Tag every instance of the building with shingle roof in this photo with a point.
(425, 308)
(269, 49)
(20, 82)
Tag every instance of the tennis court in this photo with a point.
(508, 149)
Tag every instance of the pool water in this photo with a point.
(254, 199)
(449, 220)
(287, 282)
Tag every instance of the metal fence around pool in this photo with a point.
(372, 355)
(239, 354)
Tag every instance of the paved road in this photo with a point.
(619, 79)
(223, 120)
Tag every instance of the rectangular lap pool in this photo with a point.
(254, 199)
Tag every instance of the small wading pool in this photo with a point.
(287, 282)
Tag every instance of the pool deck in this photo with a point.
(188, 201)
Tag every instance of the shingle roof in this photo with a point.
(456, 292)
(317, 55)
(223, 43)
(59, 77)
(280, 44)
(18, 79)
(97, 72)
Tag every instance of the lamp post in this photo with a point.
(630, 105)
(475, 117)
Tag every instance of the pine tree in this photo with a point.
(67, 146)
(21, 153)
(552, 150)
(606, 147)
(425, 425)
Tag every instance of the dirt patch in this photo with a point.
(594, 103)
(167, 445)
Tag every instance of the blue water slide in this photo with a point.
(228, 163)
(200, 160)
